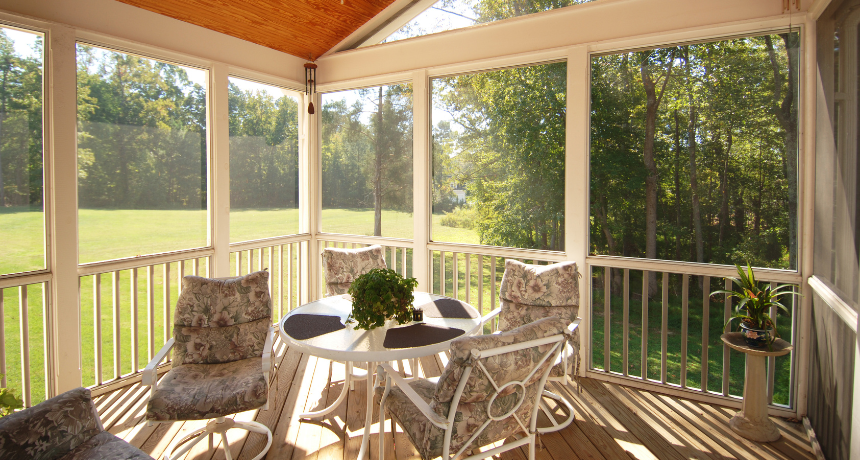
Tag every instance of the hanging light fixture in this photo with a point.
(310, 84)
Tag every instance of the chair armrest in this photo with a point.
(267, 351)
(574, 325)
(390, 374)
(150, 376)
(489, 317)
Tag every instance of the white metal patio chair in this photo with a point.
(532, 292)
(490, 390)
(222, 342)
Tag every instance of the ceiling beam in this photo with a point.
(390, 20)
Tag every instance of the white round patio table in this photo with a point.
(349, 345)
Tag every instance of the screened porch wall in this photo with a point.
(482, 54)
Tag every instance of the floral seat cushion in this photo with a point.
(532, 292)
(205, 391)
(472, 410)
(343, 266)
(105, 446)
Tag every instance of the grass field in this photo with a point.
(140, 232)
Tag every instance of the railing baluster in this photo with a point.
(24, 307)
(455, 278)
(393, 258)
(2, 342)
(403, 261)
(180, 274)
(493, 289)
(196, 269)
(645, 325)
(771, 361)
(250, 260)
(432, 268)
(290, 276)
(468, 280)
(135, 364)
(238, 263)
(259, 259)
(280, 280)
(441, 272)
(706, 325)
(299, 288)
(685, 292)
(625, 340)
(150, 310)
(97, 325)
(117, 344)
(48, 349)
(481, 284)
(166, 305)
(271, 268)
(664, 344)
(727, 313)
(607, 274)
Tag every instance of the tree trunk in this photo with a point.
(677, 187)
(694, 180)
(651, 105)
(785, 109)
(740, 214)
(724, 179)
(377, 177)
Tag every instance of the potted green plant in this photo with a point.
(9, 401)
(756, 324)
(379, 295)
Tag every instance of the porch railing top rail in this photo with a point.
(95, 268)
(691, 268)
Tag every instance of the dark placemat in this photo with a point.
(448, 308)
(303, 327)
(418, 335)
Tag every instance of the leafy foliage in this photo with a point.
(379, 295)
(755, 300)
(9, 401)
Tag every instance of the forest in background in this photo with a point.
(694, 152)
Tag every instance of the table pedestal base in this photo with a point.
(752, 422)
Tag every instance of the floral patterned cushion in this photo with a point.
(204, 391)
(343, 266)
(211, 345)
(504, 368)
(105, 446)
(50, 429)
(543, 285)
(472, 411)
(207, 302)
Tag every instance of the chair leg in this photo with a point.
(532, 447)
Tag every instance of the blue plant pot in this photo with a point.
(757, 338)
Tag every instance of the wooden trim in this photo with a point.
(361, 239)
(513, 253)
(655, 386)
(691, 268)
(421, 181)
(24, 279)
(142, 261)
(840, 307)
(125, 380)
(269, 242)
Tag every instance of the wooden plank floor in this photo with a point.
(612, 422)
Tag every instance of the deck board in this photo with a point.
(612, 422)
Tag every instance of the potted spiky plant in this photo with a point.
(757, 326)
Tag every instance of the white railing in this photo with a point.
(25, 337)
(398, 252)
(671, 338)
(135, 324)
(283, 258)
(473, 273)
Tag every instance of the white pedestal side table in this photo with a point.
(752, 422)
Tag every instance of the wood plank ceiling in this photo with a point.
(303, 28)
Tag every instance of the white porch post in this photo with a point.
(219, 176)
(62, 187)
(421, 180)
(310, 198)
(576, 185)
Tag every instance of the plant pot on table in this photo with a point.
(757, 338)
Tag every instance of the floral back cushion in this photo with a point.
(503, 368)
(345, 265)
(221, 320)
(207, 302)
(531, 292)
(51, 428)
